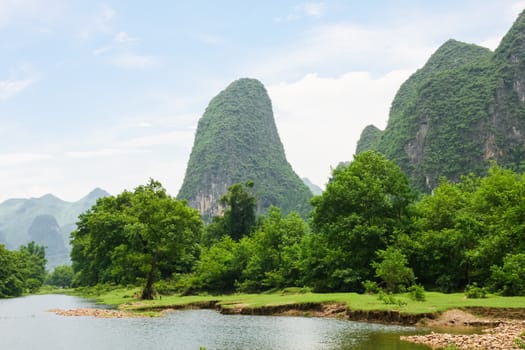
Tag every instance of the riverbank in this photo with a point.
(502, 317)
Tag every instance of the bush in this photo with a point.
(296, 290)
(371, 287)
(472, 291)
(417, 292)
(62, 277)
(393, 269)
(510, 278)
(389, 299)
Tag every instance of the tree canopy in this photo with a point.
(135, 236)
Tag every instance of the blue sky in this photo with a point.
(108, 94)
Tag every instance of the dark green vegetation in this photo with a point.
(21, 270)
(368, 232)
(237, 141)
(47, 220)
(464, 108)
(135, 237)
(62, 277)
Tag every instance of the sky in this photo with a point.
(108, 94)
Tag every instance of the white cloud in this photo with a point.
(309, 9)
(120, 41)
(101, 22)
(21, 158)
(288, 18)
(124, 38)
(211, 39)
(313, 9)
(517, 8)
(105, 152)
(16, 11)
(9, 88)
(168, 138)
(320, 119)
(134, 61)
(491, 43)
(337, 48)
(121, 54)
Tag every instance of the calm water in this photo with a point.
(25, 324)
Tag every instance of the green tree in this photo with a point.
(393, 270)
(239, 215)
(498, 209)
(21, 270)
(220, 266)
(62, 276)
(509, 279)
(31, 265)
(273, 252)
(360, 211)
(444, 232)
(135, 237)
(11, 285)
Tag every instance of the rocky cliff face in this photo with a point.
(464, 108)
(236, 141)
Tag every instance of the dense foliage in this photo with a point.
(464, 108)
(62, 277)
(237, 141)
(135, 237)
(367, 232)
(21, 271)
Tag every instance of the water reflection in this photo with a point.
(25, 324)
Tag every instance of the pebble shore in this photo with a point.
(501, 337)
(101, 313)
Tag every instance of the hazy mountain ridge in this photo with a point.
(462, 109)
(48, 220)
(237, 140)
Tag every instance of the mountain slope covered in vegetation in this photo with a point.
(464, 108)
(237, 141)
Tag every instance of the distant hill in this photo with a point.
(464, 108)
(236, 141)
(48, 220)
(316, 190)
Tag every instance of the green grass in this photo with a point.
(435, 302)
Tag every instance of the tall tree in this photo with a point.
(363, 206)
(134, 236)
(239, 215)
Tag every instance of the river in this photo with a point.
(25, 323)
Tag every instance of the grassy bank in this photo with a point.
(435, 302)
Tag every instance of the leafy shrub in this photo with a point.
(510, 278)
(390, 299)
(472, 291)
(296, 290)
(167, 287)
(393, 269)
(417, 292)
(371, 287)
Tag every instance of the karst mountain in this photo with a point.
(463, 109)
(237, 141)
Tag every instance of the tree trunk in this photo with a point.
(147, 292)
